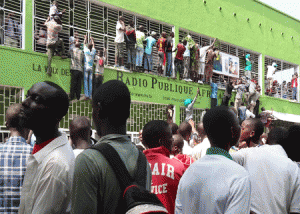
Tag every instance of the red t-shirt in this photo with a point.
(38, 147)
(185, 160)
(166, 174)
(180, 50)
(161, 44)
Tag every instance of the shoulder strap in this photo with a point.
(123, 176)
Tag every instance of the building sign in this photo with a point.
(151, 88)
(227, 65)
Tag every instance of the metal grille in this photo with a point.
(142, 113)
(197, 115)
(226, 48)
(8, 96)
(283, 89)
(11, 13)
(91, 18)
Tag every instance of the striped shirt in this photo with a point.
(13, 162)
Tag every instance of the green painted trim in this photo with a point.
(29, 24)
(218, 151)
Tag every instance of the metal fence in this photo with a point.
(11, 21)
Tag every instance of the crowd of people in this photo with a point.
(10, 30)
(216, 166)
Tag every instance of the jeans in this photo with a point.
(179, 67)
(131, 54)
(294, 93)
(169, 64)
(148, 61)
(76, 78)
(139, 56)
(88, 82)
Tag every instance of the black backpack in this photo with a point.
(136, 199)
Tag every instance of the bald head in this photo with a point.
(177, 144)
(80, 129)
(185, 130)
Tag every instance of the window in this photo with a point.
(94, 20)
(282, 82)
(11, 16)
(225, 48)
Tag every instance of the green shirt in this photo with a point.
(140, 37)
(218, 151)
(94, 178)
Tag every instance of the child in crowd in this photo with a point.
(54, 10)
(189, 104)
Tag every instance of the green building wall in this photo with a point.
(250, 28)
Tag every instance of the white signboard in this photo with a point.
(227, 65)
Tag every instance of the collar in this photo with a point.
(120, 138)
(218, 151)
(56, 143)
(16, 139)
(38, 147)
(159, 150)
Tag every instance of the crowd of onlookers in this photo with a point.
(216, 166)
(10, 30)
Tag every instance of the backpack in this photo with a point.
(136, 199)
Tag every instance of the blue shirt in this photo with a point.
(187, 50)
(13, 162)
(150, 42)
(214, 90)
(242, 112)
(89, 57)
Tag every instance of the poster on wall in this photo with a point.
(227, 65)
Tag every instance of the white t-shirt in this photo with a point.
(119, 33)
(203, 53)
(77, 152)
(275, 179)
(214, 184)
(249, 114)
(199, 151)
(53, 10)
(271, 70)
(187, 149)
(72, 43)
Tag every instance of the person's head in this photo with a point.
(263, 109)
(57, 19)
(258, 88)
(274, 65)
(14, 120)
(185, 130)
(172, 34)
(77, 44)
(251, 130)
(100, 53)
(111, 106)
(277, 136)
(242, 104)
(174, 128)
(184, 42)
(90, 46)
(170, 106)
(234, 110)
(55, 3)
(141, 28)
(177, 144)
(80, 130)
(200, 130)
(164, 34)
(290, 146)
(248, 107)
(121, 18)
(204, 44)
(231, 103)
(222, 127)
(131, 23)
(157, 133)
(45, 105)
(153, 34)
(196, 45)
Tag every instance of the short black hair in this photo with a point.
(277, 135)
(291, 143)
(258, 127)
(113, 101)
(178, 141)
(80, 127)
(59, 102)
(263, 108)
(184, 129)
(218, 123)
(184, 42)
(153, 132)
(173, 127)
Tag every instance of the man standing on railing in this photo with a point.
(169, 54)
(119, 42)
(10, 31)
(161, 46)
(53, 42)
(89, 53)
(140, 37)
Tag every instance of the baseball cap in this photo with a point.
(187, 102)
